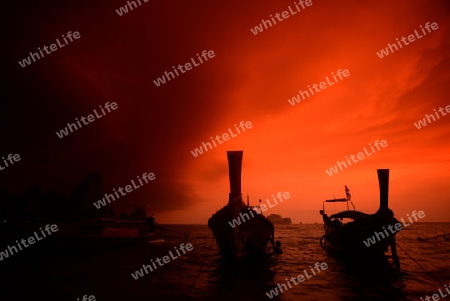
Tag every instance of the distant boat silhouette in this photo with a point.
(253, 234)
(80, 224)
(346, 241)
(277, 219)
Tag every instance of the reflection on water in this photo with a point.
(202, 272)
(247, 277)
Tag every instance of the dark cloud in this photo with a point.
(154, 128)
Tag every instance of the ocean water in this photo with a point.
(200, 274)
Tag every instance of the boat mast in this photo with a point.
(383, 180)
(234, 171)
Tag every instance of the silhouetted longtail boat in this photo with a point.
(346, 241)
(251, 235)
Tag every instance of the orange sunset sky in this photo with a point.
(289, 148)
(250, 78)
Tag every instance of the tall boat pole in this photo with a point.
(234, 172)
(237, 229)
(383, 180)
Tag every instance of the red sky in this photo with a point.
(250, 78)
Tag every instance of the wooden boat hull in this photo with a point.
(365, 240)
(249, 235)
(347, 241)
(253, 235)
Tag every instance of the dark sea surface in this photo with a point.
(201, 275)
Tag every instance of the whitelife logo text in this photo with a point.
(146, 268)
(319, 267)
(360, 156)
(323, 85)
(187, 66)
(225, 137)
(411, 38)
(395, 228)
(110, 197)
(33, 55)
(237, 221)
(423, 123)
(86, 120)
